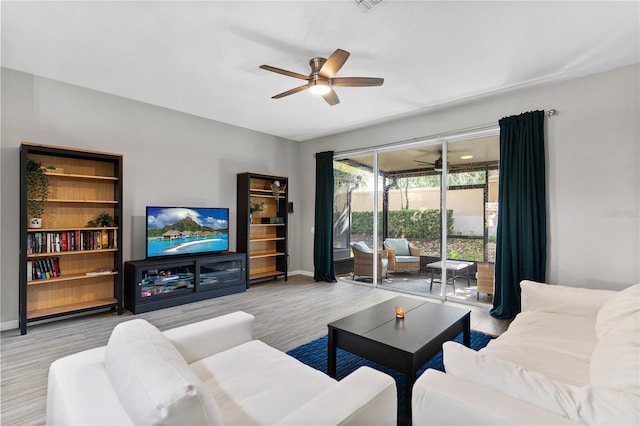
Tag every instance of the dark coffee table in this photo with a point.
(401, 344)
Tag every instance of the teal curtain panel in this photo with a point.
(522, 229)
(323, 237)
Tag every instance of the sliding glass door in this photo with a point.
(357, 239)
(471, 196)
(430, 200)
(412, 202)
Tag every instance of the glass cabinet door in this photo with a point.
(216, 274)
(167, 281)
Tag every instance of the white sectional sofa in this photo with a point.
(210, 372)
(572, 356)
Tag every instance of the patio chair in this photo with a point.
(485, 278)
(403, 256)
(363, 261)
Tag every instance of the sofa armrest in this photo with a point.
(540, 297)
(365, 397)
(79, 392)
(413, 250)
(444, 399)
(205, 338)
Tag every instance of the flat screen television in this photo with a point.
(181, 231)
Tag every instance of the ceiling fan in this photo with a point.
(321, 79)
(437, 165)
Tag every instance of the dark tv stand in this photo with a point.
(160, 283)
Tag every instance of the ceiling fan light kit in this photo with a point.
(319, 87)
(321, 79)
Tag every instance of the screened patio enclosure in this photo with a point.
(444, 211)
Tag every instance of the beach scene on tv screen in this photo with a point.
(180, 230)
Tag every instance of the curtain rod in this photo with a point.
(485, 129)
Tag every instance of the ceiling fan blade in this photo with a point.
(424, 162)
(284, 72)
(331, 97)
(356, 81)
(290, 92)
(334, 63)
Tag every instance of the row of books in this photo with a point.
(53, 242)
(43, 269)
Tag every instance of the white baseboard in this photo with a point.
(299, 272)
(9, 325)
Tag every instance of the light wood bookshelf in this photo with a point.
(266, 244)
(84, 184)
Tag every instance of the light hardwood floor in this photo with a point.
(288, 314)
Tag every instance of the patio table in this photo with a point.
(454, 266)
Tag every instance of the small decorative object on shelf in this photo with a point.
(257, 206)
(37, 192)
(399, 311)
(275, 190)
(104, 271)
(104, 219)
(53, 169)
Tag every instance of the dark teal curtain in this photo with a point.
(323, 237)
(521, 246)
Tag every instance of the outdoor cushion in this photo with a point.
(362, 246)
(399, 245)
(407, 259)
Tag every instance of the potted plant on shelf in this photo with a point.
(104, 219)
(37, 192)
(257, 206)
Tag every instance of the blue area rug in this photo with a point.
(314, 354)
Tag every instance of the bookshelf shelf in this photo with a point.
(70, 229)
(69, 253)
(55, 311)
(67, 278)
(77, 176)
(57, 257)
(83, 201)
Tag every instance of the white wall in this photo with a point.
(593, 163)
(170, 158)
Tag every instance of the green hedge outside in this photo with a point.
(409, 223)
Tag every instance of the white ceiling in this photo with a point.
(202, 57)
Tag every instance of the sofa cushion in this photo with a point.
(399, 245)
(254, 383)
(563, 300)
(153, 381)
(362, 246)
(620, 307)
(585, 404)
(615, 362)
(538, 341)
